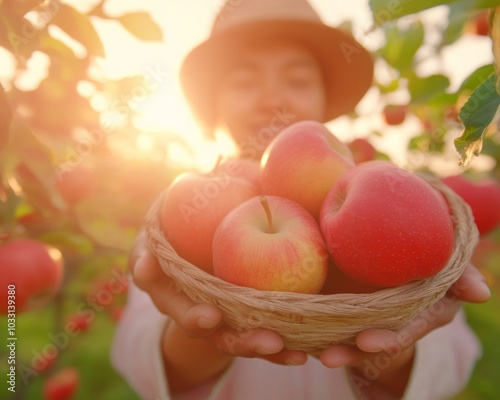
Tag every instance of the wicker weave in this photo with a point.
(313, 322)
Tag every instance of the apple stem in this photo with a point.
(267, 209)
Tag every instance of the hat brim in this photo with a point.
(346, 64)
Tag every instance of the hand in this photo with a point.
(203, 320)
(398, 345)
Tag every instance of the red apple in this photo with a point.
(362, 150)
(245, 168)
(62, 385)
(483, 198)
(303, 162)
(193, 207)
(270, 243)
(479, 24)
(384, 226)
(76, 185)
(78, 323)
(33, 268)
(394, 114)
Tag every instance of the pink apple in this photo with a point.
(33, 269)
(303, 162)
(62, 385)
(482, 196)
(362, 150)
(245, 168)
(394, 114)
(193, 207)
(385, 226)
(270, 243)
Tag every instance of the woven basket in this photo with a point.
(313, 322)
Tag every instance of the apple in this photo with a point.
(194, 205)
(479, 24)
(394, 114)
(76, 185)
(78, 323)
(33, 268)
(245, 168)
(482, 196)
(384, 226)
(62, 385)
(303, 162)
(270, 243)
(362, 150)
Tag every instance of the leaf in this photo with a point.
(79, 27)
(384, 11)
(476, 115)
(458, 16)
(476, 78)
(35, 167)
(142, 26)
(402, 44)
(423, 89)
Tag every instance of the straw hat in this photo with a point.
(347, 66)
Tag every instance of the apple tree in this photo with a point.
(64, 183)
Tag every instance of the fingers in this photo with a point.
(336, 356)
(471, 286)
(197, 320)
(251, 343)
(438, 314)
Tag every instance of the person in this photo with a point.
(265, 66)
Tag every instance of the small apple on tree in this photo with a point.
(362, 150)
(482, 196)
(270, 243)
(34, 268)
(62, 385)
(76, 185)
(394, 114)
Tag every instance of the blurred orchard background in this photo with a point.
(93, 127)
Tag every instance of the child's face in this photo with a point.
(265, 89)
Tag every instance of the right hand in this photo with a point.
(203, 320)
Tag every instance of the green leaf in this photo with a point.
(401, 45)
(142, 26)
(387, 10)
(79, 27)
(423, 89)
(459, 15)
(476, 78)
(476, 115)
